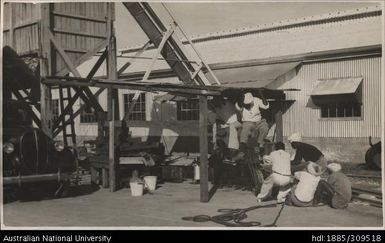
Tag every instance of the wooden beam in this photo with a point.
(86, 34)
(19, 26)
(134, 58)
(203, 147)
(81, 108)
(11, 26)
(71, 67)
(134, 86)
(85, 57)
(34, 117)
(112, 96)
(77, 16)
(63, 55)
(165, 38)
(111, 151)
(45, 69)
(104, 178)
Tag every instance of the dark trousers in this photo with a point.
(324, 193)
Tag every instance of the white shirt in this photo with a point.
(280, 161)
(254, 114)
(306, 186)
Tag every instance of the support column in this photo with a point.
(112, 97)
(203, 148)
(45, 69)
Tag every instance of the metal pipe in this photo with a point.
(35, 178)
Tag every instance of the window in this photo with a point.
(139, 111)
(87, 114)
(55, 109)
(188, 110)
(340, 110)
(338, 97)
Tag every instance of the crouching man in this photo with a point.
(281, 174)
(304, 154)
(302, 194)
(337, 190)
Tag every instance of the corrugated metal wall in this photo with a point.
(305, 118)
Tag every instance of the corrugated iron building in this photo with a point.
(333, 46)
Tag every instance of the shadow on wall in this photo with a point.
(345, 150)
(185, 134)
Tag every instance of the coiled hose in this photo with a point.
(235, 217)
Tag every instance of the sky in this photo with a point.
(202, 18)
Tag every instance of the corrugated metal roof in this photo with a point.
(252, 76)
(280, 25)
(337, 86)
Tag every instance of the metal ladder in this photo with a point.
(65, 99)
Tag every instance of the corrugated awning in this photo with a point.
(252, 76)
(337, 86)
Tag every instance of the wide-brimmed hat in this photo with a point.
(314, 169)
(334, 167)
(295, 137)
(248, 99)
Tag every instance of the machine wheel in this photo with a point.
(373, 156)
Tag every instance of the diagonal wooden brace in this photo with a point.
(166, 36)
(87, 97)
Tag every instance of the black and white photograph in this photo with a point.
(198, 115)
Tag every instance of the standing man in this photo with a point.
(226, 113)
(252, 122)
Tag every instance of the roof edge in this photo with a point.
(279, 25)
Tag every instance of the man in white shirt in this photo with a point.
(302, 194)
(281, 176)
(252, 121)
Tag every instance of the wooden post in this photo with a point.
(45, 69)
(112, 95)
(203, 147)
(279, 123)
(104, 177)
(111, 151)
(11, 24)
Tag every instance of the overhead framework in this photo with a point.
(61, 53)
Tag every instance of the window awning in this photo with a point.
(341, 90)
(259, 76)
(337, 86)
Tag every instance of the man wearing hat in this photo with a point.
(337, 190)
(252, 121)
(305, 153)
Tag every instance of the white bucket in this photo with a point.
(150, 182)
(136, 189)
(196, 172)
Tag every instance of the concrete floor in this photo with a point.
(168, 204)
